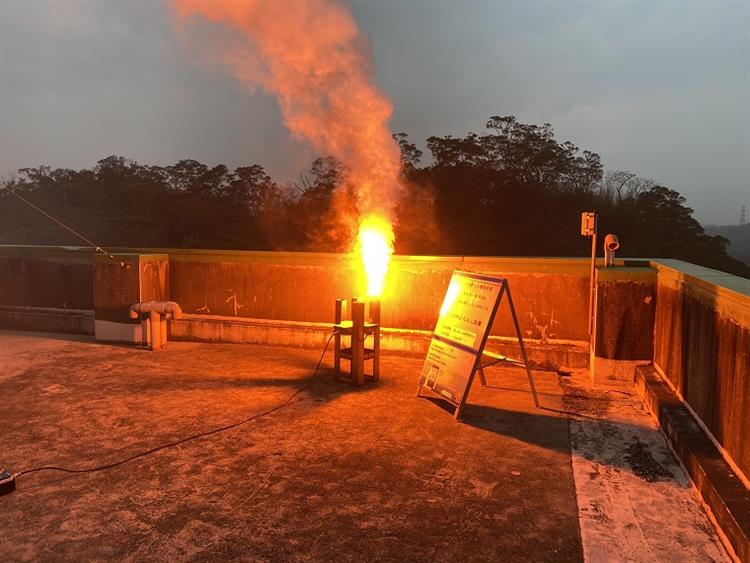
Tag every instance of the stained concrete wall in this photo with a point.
(624, 305)
(625, 310)
(51, 277)
(702, 346)
(125, 279)
(550, 295)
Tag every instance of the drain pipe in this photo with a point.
(154, 316)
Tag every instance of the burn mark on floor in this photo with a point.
(643, 463)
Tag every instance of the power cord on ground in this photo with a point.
(10, 478)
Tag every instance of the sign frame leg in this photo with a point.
(482, 379)
(525, 358)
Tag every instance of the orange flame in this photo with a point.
(312, 56)
(375, 244)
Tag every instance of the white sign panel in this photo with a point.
(460, 334)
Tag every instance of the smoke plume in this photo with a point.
(312, 56)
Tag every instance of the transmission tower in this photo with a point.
(742, 214)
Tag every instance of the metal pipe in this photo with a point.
(145, 332)
(154, 315)
(154, 320)
(160, 307)
(592, 282)
(611, 243)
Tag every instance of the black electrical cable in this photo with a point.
(97, 248)
(189, 438)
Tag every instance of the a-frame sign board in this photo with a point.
(455, 354)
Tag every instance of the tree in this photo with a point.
(621, 184)
(410, 154)
(185, 174)
(513, 189)
(321, 216)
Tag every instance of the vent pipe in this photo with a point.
(611, 243)
(154, 315)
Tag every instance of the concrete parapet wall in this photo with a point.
(624, 306)
(702, 348)
(120, 281)
(550, 294)
(287, 298)
(42, 319)
(49, 277)
(727, 498)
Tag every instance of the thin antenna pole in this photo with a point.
(592, 284)
(97, 248)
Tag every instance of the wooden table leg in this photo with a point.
(337, 340)
(358, 343)
(375, 318)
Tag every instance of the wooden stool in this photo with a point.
(357, 330)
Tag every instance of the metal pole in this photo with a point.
(593, 272)
(145, 331)
(482, 379)
(155, 330)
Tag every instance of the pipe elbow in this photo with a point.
(611, 242)
(174, 309)
(160, 307)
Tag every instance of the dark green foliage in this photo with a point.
(516, 191)
(738, 236)
(122, 203)
(512, 190)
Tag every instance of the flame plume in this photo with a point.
(312, 56)
(375, 242)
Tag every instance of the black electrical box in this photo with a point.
(7, 482)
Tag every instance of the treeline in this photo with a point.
(738, 237)
(512, 190)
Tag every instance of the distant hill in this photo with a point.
(739, 238)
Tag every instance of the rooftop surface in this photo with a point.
(340, 473)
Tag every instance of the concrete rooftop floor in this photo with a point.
(340, 474)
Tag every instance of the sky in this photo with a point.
(661, 89)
